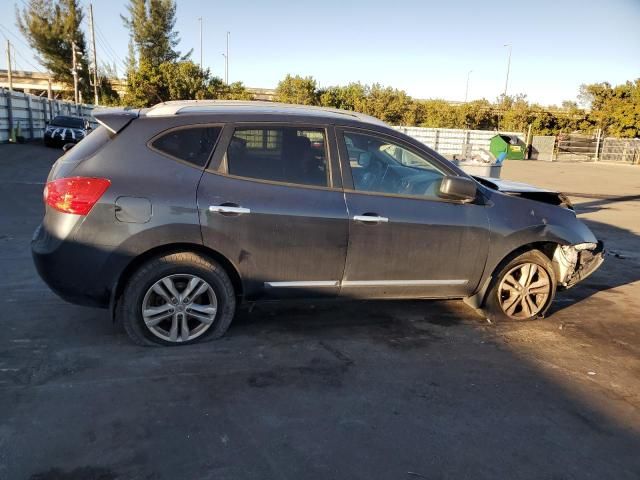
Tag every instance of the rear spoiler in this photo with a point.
(115, 119)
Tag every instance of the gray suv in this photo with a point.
(170, 216)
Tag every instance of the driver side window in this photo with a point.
(378, 165)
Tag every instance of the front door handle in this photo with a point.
(370, 218)
(230, 209)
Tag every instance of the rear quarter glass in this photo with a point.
(85, 149)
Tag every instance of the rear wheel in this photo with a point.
(177, 299)
(523, 289)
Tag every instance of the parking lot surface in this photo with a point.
(353, 390)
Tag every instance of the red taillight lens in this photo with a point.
(75, 195)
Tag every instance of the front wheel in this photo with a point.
(177, 299)
(523, 289)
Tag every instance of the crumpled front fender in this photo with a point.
(574, 263)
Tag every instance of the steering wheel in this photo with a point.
(370, 179)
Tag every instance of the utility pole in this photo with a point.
(74, 71)
(200, 20)
(226, 62)
(466, 91)
(95, 55)
(506, 82)
(9, 66)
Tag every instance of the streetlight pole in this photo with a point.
(200, 20)
(466, 91)
(224, 55)
(506, 82)
(226, 62)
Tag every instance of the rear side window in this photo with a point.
(191, 144)
(279, 154)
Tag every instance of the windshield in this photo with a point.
(69, 122)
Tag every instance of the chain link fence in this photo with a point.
(620, 150)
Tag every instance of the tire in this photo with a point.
(179, 269)
(527, 299)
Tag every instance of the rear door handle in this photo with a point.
(232, 209)
(370, 218)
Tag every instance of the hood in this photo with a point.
(518, 189)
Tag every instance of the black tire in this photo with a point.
(495, 300)
(183, 263)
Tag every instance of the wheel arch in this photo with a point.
(136, 262)
(547, 247)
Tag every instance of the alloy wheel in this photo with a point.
(178, 308)
(524, 291)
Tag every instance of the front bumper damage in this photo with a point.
(574, 263)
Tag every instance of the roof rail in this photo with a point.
(176, 107)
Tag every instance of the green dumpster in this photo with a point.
(504, 147)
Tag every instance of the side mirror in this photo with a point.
(46, 122)
(458, 188)
(68, 146)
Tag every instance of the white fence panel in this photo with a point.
(461, 144)
(30, 113)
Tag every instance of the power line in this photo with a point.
(107, 44)
(26, 60)
(16, 52)
(15, 36)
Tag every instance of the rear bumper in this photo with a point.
(71, 270)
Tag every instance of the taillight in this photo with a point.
(75, 195)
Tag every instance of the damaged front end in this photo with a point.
(574, 263)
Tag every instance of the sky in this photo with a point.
(424, 47)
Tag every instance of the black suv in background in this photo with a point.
(170, 216)
(65, 129)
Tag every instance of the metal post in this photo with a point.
(226, 62)
(598, 133)
(506, 83)
(95, 59)
(200, 20)
(30, 112)
(224, 55)
(9, 66)
(466, 91)
(527, 146)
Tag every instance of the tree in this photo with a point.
(351, 97)
(477, 115)
(156, 71)
(51, 28)
(151, 24)
(298, 90)
(149, 85)
(516, 113)
(439, 114)
(614, 109)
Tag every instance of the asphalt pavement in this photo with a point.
(328, 390)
